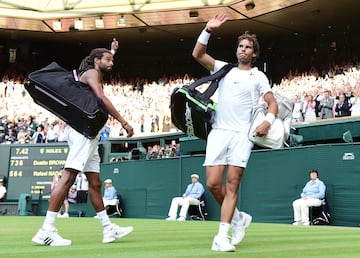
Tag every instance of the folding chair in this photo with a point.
(320, 215)
(198, 212)
(117, 209)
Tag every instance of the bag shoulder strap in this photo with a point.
(215, 78)
(252, 92)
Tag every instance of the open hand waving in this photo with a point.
(114, 45)
(216, 22)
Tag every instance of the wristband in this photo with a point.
(270, 117)
(112, 51)
(204, 37)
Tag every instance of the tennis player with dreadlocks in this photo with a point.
(83, 156)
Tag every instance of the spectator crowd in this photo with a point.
(146, 104)
(334, 94)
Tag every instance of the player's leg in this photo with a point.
(47, 234)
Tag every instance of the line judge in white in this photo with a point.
(191, 197)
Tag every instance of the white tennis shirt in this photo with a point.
(234, 101)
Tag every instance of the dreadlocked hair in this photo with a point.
(252, 38)
(88, 62)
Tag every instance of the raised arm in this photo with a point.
(114, 46)
(199, 52)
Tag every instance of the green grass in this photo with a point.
(160, 238)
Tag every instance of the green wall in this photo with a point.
(275, 178)
(147, 186)
(272, 181)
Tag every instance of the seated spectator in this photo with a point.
(2, 190)
(56, 179)
(71, 197)
(110, 193)
(312, 195)
(190, 197)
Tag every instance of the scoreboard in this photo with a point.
(32, 168)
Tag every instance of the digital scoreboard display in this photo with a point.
(32, 168)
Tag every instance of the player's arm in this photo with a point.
(114, 46)
(272, 104)
(92, 78)
(200, 55)
(199, 52)
(271, 113)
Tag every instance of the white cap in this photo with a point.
(195, 175)
(108, 181)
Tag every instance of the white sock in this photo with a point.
(104, 218)
(223, 229)
(49, 222)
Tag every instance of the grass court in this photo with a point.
(159, 238)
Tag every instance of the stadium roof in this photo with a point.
(149, 20)
(40, 15)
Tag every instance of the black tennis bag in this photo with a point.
(59, 91)
(192, 111)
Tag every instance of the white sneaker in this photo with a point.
(306, 223)
(65, 215)
(181, 218)
(222, 244)
(113, 232)
(51, 238)
(238, 228)
(171, 218)
(297, 223)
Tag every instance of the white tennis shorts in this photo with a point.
(226, 147)
(83, 152)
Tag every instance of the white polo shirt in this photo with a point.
(234, 96)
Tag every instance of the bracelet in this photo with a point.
(204, 37)
(113, 51)
(207, 30)
(125, 124)
(270, 117)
